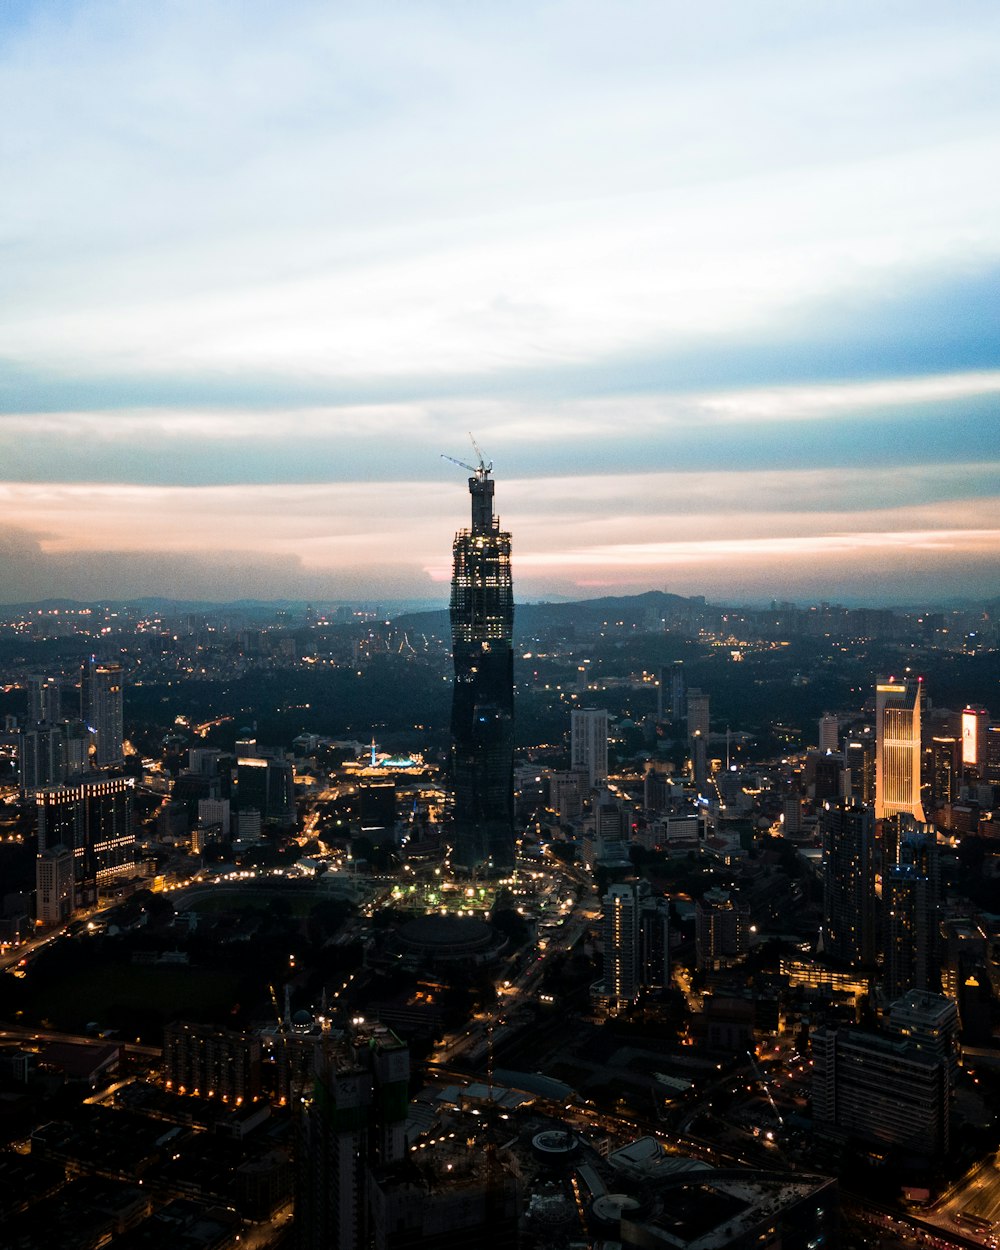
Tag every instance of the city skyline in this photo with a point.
(715, 292)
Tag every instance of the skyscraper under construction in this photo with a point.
(482, 716)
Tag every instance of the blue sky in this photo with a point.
(714, 286)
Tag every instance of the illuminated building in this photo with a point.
(848, 835)
(95, 821)
(621, 943)
(636, 935)
(898, 748)
(102, 710)
(589, 743)
(482, 717)
(975, 722)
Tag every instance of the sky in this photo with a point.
(714, 287)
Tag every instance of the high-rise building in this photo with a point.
(102, 710)
(353, 1121)
(482, 716)
(910, 916)
(859, 762)
(54, 892)
(589, 743)
(898, 748)
(975, 722)
(698, 719)
(848, 834)
(829, 732)
(267, 786)
(671, 694)
(42, 755)
(722, 930)
(881, 1089)
(43, 700)
(636, 933)
(94, 820)
(621, 945)
(945, 769)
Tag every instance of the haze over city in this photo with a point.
(715, 291)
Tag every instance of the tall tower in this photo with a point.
(848, 832)
(101, 708)
(898, 748)
(482, 714)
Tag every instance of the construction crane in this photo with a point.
(481, 470)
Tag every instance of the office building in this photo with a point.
(94, 819)
(883, 1090)
(589, 743)
(698, 719)
(54, 886)
(945, 770)
(898, 706)
(482, 717)
(829, 733)
(267, 786)
(975, 722)
(102, 710)
(930, 1023)
(859, 762)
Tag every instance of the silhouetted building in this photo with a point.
(848, 834)
(883, 1090)
(722, 930)
(910, 896)
(352, 1121)
(43, 700)
(482, 718)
